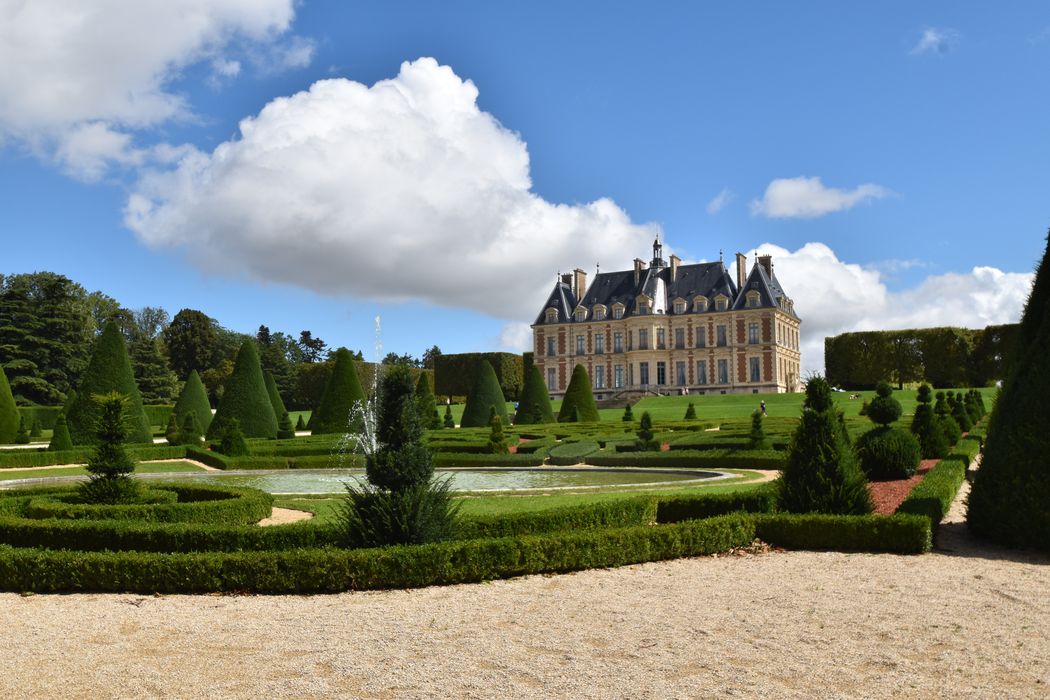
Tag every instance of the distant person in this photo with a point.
(762, 405)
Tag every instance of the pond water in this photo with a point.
(323, 481)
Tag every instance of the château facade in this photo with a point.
(669, 328)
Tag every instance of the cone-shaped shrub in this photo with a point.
(497, 440)
(194, 398)
(108, 371)
(245, 398)
(578, 396)
(645, 439)
(284, 427)
(8, 412)
(427, 403)
(690, 412)
(628, 416)
(1010, 500)
(171, 431)
(110, 466)
(534, 405)
(342, 393)
(60, 436)
(190, 433)
(932, 442)
(402, 460)
(275, 396)
(448, 421)
(961, 416)
(231, 442)
(484, 396)
(822, 474)
(300, 424)
(22, 434)
(757, 439)
(34, 430)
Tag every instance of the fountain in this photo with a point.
(363, 413)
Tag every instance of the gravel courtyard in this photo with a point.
(964, 621)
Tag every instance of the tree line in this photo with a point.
(48, 324)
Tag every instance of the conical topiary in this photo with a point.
(628, 416)
(690, 412)
(193, 398)
(60, 436)
(300, 424)
(190, 433)
(427, 403)
(341, 394)
(932, 441)
(497, 440)
(231, 442)
(578, 396)
(448, 421)
(275, 396)
(960, 415)
(108, 371)
(534, 404)
(245, 399)
(171, 430)
(1010, 499)
(484, 396)
(34, 428)
(22, 435)
(822, 474)
(285, 430)
(757, 439)
(646, 440)
(8, 412)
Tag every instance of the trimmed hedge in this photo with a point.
(193, 397)
(158, 414)
(933, 496)
(252, 462)
(245, 399)
(673, 509)
(621, 513)
(485, 396)
(898, 534)
(704, 459)
(454, 375)
(570, 453)
(45, 458)
(466, 460)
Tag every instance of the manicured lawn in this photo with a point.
(144, 468)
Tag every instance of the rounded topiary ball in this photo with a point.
(884, 409)
(888, 453)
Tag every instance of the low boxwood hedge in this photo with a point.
(80, 455)
(620, 513)
(463, 460)
(898, 534)
(570, 453)
(933, 496)
(703, 459)
(673, 509)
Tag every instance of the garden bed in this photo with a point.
(888, 495)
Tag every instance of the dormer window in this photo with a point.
(581, 314)
(721, 303)
(700, 304)
(599, 313)
(753, 299)
(552, 315)
(617, 311)
(643, 308)
(679, 306)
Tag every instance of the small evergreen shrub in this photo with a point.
(884, 409)
(300, 424)
(110, 466)
(193, 397)
(888, 453)
(342, 396)
(171, 432)
(191, 432)
(285, 431)
(232, 442)
(961, 416)
(449, 421)
(757, 439)
(22, 436)
(690, 412)
(60, 436)
(427, 402)
(933, 442)
(8, 411)
(628, 417)
(949, 429)
(646, 441)
(34, 430)
(497, 444)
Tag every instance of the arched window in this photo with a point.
(617, 311)
(679, 306)
(599, 313)
(700, 303)
(721, 303)
(552, 315)
(581, 314)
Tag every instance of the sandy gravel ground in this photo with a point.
(966, 621)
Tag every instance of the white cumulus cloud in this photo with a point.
(936, 41)
(719, 201)
(832, 296)
(808, 198)
(79, 77)
(404, 190)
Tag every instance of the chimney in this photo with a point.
(579, 284)
(566, 279)
(638, 267)
(675, 261)
(766, 261)
(741, 270)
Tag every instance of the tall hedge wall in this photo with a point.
(944, 357)
(454, 374)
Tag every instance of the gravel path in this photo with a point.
(965, 621)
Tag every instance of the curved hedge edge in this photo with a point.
(895, 534)
(692, 459)
(673, 509)
(627, 512)
(333, 570)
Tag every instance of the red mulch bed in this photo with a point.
(514, 448)
(888, 495)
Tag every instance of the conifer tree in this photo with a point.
(497, 440)
(285, 430)
(627, 415)
(108, 371)
(8, 412)
(71, 398)
(245, 398)
(822, 474)
(485, 395)
(960, 415)
(171, 431)
(646, 441)
(190, 433)
(449, 421)
(578, 396)
(232, 443)
(932, 441)
(690, 412)
(757, 439)
(153, 375)
(1010, 499)
(22, 435)
(110, 466)
(34, 429)
(60, 436)
(300, 424)
(341, 395)
(534, 404)
(275, 395)
(194, 399)
(427, 403)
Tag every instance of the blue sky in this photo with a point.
(891, 157)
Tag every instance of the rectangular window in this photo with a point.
(599, 377)
(752, 333)
(617, 341)
(599, 344)
(723, 371)
(756, 370)
(550, 347)
(701, 337)
(579, 345)
(552, 379)
(643, 372)
(661, 373)
(679, 373)
(701, 372)
(679, 338)
(643, 340)
(661, 338)
(720, 333)
(617, 376)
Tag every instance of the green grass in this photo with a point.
(143, 468)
